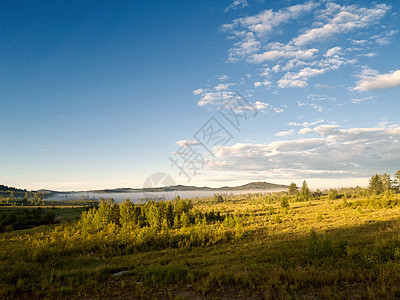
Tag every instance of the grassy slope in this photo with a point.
(354, 255)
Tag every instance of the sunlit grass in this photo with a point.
(342, 248)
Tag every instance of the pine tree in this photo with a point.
(376, 184)
(397, 179)
(127, 212)
(185, 219)
(386, 182)
(293, 189)
(305, 192)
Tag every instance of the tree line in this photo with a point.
(378, 184)
(158, 215)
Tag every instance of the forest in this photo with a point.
(337, 243)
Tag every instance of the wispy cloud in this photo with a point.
(215, 95)
(345, 19)
(359, 100)
(303, 56)
(221, 92)
(237, 4)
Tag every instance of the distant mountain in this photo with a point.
(260, 186)
(248, 186)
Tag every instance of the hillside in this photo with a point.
(4, 188)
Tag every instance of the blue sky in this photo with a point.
(103, 94)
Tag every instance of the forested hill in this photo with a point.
(260, 186)
(7, 191)
(4, 188)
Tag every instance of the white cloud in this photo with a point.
(316, 107)
(383, 38)
(305, 130)
(237, 4)
(260, 105)
(223, 86)
(277, 110)
(278, 51)
(198, 91)
(345, 20)
(373, 81)
(310, 124)
(333, 51)
(300, 78)
(266, 21)
(323, 86)
(184, 143)
(317, 97)
(215, 95)
(297, 58)
(285, 83)
(359, 42)
(262, 83)
(250, 30)
(285, 133)
(359, 100)
(336, 152)
(370, 54)
(223, 77)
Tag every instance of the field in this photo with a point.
(258, 246)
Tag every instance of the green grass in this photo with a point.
(321, 248)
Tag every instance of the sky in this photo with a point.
(104, 94)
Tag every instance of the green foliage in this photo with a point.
(161, 215)
(127, 214)
(284, 202)
(333, 194)
(218, 198)
(16, 219)
(324, 248)
(397, 179)
(376, 184)
(293, 189)
(304, 192)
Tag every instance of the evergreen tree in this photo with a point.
(376, 184)
(305, 192)
(397, 179)
(185, 219)
(293, 189)
(177, 223)
(127, 212)
(386, 182)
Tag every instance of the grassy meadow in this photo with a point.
(345, 244)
